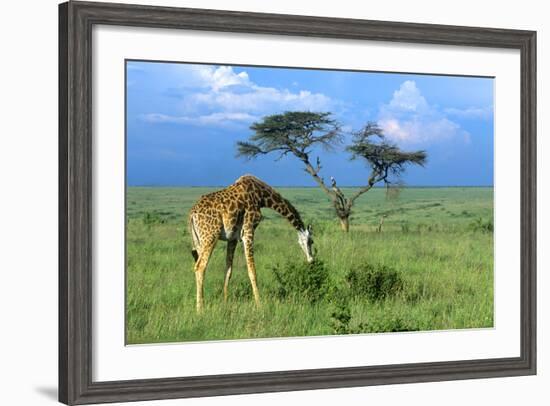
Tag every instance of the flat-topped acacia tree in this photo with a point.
(298, 132)
(384, 158)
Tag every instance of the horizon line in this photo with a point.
(315, 187)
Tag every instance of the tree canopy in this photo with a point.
(291, 132)
(384, 157)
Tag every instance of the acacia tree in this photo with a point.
(384, 158)
(297, 132)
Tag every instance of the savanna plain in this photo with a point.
(414, 259)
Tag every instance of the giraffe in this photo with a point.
(232, 214)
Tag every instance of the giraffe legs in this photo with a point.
(200, 268)
(231, 245)
(248, 243)
(207, 243)
(249, 254)
(251, 221)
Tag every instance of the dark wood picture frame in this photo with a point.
(76, 20)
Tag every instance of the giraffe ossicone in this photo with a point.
(232, 214)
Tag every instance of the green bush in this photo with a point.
(340, 318)
(301, 280)
(374, 282)
(389, 324)
(150, 218)
(481, 225)
(341, 323)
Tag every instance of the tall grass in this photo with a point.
(436, 245)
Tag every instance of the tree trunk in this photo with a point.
(344, 223)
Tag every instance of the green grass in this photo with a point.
(437, 243)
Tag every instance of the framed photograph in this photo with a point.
(258, 202)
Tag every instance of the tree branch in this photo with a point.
(315, 175)
(372, 181)
(352, 199)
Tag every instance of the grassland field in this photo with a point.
(430, 267)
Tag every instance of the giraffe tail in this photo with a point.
(195, 237)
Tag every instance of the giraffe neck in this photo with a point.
(275, 201)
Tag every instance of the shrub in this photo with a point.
(341, 323)
(340, 318)
(481, 225)
(150, 218)
(374, 282)
(388, 324)
(301, 280)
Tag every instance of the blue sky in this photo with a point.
(183, 121)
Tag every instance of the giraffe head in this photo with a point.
(306, 241)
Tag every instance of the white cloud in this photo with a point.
(409, 119)
(221, 119)
(217, 95)
(259, 99)
(483, 113)
(408, 99)
(219, 78)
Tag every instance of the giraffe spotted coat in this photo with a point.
(232, 214)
